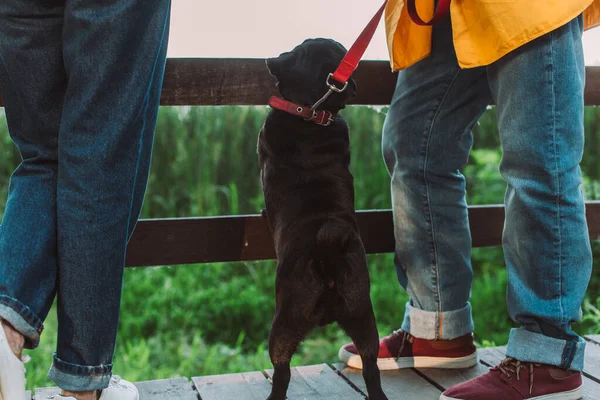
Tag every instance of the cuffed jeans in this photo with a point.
(538, 90)
(81, 82)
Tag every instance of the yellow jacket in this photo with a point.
(483, 30)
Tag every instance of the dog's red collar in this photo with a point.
(319, 117)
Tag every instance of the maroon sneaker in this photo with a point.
(516, 380)
(402, 350)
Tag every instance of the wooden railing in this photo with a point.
(206, 82)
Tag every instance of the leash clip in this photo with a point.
(332, 88)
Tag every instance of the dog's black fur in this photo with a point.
(322, 274)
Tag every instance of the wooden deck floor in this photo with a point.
(333, 381)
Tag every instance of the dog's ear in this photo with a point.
(277, 65)
(349, 93)
(351, 88)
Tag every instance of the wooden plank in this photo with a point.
(397, 385)
(247, 386)
(172, 389)
(235, 81)
(446, 378)
(492, 356)
(247, 237)
(592, 86)
(318, 382)
(231, 81)
(591, 388)
(592, 361)
(593, 338)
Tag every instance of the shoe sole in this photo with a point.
(574, 394)
(388, 364)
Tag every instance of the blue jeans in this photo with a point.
(81, 82)
(538, 89)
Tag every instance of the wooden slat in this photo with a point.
(247, 237)
(234, 81)
(592, 361)
(446, 378)
(591, 388)
(397, 385)
(593, 338)
(205, 81)
(172, 389)
(318, 382)
(236, 238)
(202, 81)
(492, 356)
(247, 386)
(592, 86)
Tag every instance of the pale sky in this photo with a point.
(266, 28)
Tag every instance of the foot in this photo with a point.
(118, 389)
(402, 350)
(515, 380)
(12, 370)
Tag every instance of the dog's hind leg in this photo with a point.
(363, 332)
(286, 334)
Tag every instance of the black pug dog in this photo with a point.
(322, 274)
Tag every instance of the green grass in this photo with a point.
(208, 319)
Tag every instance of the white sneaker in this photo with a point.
(118, 389)
(12, 372)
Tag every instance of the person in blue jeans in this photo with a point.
(538, 89)
(81, 83)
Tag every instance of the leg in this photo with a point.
(363, 332)
(426, 141)
(539, 92)
(33, 83)
(287, 331)
(114, 54)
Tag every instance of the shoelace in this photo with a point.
(510, 365)
(406, 338)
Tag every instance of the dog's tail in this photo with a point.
(334, 255)
(333, 242)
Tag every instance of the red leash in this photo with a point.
(354, 55)
(350, 62)
(352, 58)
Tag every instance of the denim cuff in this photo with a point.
(434, 325)
(534, 347)
(23, 319)
(79, 378)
